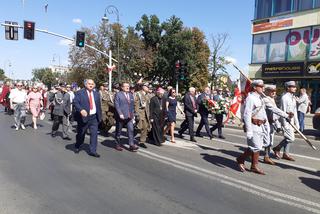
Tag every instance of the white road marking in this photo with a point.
(239, 144)
(242, 185)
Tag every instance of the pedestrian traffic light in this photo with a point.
(10, 31)
(80, 39)
(29, 28)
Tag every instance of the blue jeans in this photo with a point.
(301, 120)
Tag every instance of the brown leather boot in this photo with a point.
(276, 151)
(268, 160)
(254, 164)
(287, 157)
(241, 159)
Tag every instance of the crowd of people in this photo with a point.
(152, 113)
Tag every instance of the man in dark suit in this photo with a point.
(203, 111)
(218, 116)
(88, 115)
(61, 112)
(124, 104)
(190, 110)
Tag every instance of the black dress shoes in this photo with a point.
(222, 137)
(193, 140)
(53, 135)
(67, 138)
(76, 150)
(96, 155)
(142, 145)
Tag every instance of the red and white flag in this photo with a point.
(235, 105)
(110, 68)
(245, 86)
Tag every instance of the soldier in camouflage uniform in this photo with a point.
(141, 105)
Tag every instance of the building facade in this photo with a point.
(286, 44)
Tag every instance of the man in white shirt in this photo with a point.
(303, 104)
(18, 97)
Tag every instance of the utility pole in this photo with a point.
(110, 70)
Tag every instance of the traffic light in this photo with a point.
(80, 39)
(29, 28)
(11, 32)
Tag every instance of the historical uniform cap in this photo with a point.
(257, 83)
(290, 83)
(270, 87)
(105, 83)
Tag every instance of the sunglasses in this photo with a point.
(19, 85)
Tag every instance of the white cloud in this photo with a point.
(231, 59)
(77, 21)
(65, 42)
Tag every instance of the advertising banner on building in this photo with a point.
(283, 70)
(313, 69)
(314, 53)
(297, 42)
(272, 25)
(277, 51)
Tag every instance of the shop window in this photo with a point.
(297, 41)
(278, 45)
(259, 49)
(305, 4)
(317, 3)
(282, 6)
(263, 9)
(314, 53)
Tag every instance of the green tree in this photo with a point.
(2, 75)
(46, 76)
(150, 29)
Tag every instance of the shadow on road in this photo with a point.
(220, 161)
(311, 182)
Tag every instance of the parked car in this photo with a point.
(316, 119)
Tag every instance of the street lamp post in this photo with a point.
(111, 9)
(7, 62)
(54, 59)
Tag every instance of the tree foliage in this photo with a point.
(149, 50)
(2, 74)
(46, 76)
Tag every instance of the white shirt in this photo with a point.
(71, 96)
(18, 96)
(94, 109)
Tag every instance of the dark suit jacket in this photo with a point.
(62, 104)
(81, 102)
(188, 107)
(124, 107)
(202, 109)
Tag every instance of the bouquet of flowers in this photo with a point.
(216, 107)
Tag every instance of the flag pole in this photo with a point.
(292, 125)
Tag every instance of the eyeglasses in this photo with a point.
(19, 85)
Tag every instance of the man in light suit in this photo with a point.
(124, 104)
(88, 115)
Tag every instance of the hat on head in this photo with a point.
(257, 83)
(146, 84)
(219, 89)
(105, 84)
(270, 87)
(290, 84)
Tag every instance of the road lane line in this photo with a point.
(253, 189)
(242, 145)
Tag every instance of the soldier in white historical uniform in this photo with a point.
(273, 125)
(288, 105)
(255, 117)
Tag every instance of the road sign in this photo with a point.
(10, 31)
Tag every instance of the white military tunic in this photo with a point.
(274, 114)
(289, 104)
(255, 108)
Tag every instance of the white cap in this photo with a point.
(290, 83)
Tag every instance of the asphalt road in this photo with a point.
(39, 174)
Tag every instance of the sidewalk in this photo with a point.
(309, 132)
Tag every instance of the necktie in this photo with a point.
(193, 102)
(90, 100)
(128, 98)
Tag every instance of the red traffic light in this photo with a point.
(178, 64)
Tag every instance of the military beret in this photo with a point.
(290, 83)
(257, 83)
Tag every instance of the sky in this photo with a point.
(65, 17)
